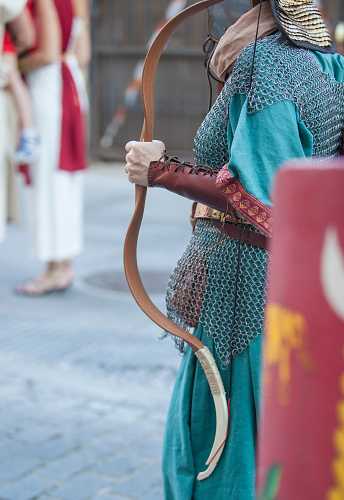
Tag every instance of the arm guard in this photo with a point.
(195, 182)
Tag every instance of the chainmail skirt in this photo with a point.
(207, 283)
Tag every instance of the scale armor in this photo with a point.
(281, 72)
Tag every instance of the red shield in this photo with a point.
(301, 446)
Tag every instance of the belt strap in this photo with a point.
(250, 237)
(203, 212)
(223, 222)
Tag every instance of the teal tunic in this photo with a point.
(258, 145)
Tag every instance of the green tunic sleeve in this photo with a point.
(261, 142)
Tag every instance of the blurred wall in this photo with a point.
(334, 10)
(121, 30)
(334, 14)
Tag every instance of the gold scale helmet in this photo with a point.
(300, 22)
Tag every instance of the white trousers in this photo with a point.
(55, 197)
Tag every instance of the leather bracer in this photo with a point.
(195, 182)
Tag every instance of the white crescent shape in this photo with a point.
(220, 436)
(221, 409)
(332, 271)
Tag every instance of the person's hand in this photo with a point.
(139, 157)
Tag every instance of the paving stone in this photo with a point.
(4, 434)
(154, 495)
(21, 418)
(150, 447)
(133, 433)
(52, 449)
(114, 497)
(37, 434)
(119, 466)
(105, 497)
(101, 407)
(16, 467)
(126, 415)
(46, 497)
(12, 448)
(73, 419)
(136, 485)
(81, 487)
(154, 468)
(26, 488)
(88, 433)
(64, 468)
(101, 449)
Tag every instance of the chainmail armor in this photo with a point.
(281, 72)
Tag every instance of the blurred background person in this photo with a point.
(55, 182)
(12, 15)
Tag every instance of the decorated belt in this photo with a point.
(224, 222)
(204, 212)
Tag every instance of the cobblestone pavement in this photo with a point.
(84, 383)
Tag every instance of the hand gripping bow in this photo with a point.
(130, 246)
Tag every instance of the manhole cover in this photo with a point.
(154, 282)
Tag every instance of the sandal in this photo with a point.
(56, 280)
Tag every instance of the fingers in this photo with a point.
(143, 153)
(154, 148)
(129, 145)
(137, 175)
(138, 158)
(162, 145)
(135, 153)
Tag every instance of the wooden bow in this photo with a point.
(130, 246)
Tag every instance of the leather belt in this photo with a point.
(224, 223)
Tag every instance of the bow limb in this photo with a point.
(130, 246)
